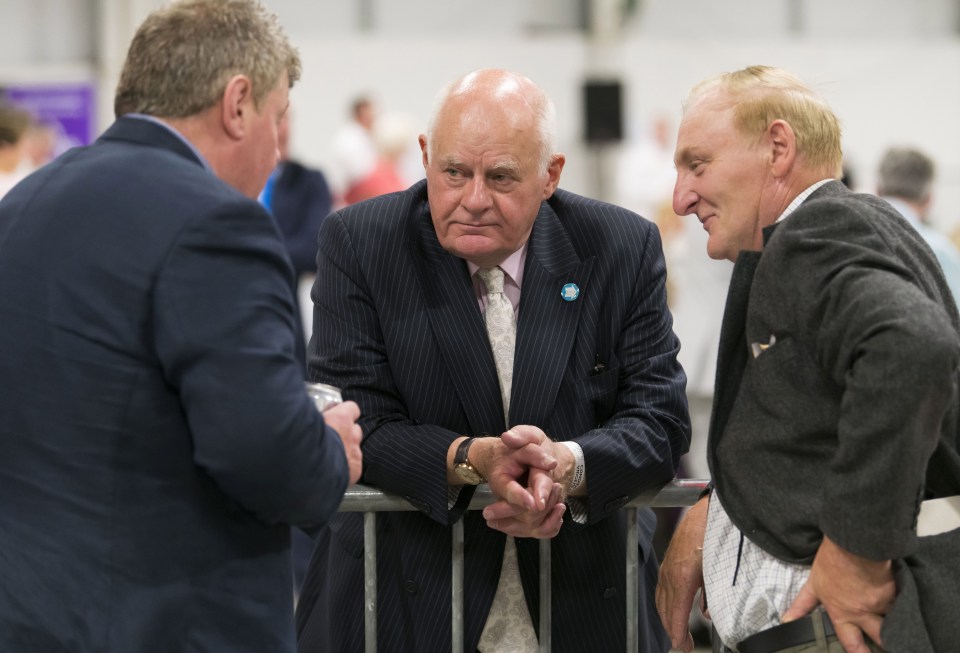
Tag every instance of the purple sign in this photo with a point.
(67, 108)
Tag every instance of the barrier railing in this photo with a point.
(360, 498)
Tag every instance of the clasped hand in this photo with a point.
(524, 471)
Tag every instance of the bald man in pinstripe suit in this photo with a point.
(596, 411)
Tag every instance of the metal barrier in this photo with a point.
(360, 498)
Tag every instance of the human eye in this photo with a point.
(502, 178)
(454, 175)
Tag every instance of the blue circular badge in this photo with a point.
(570, 292)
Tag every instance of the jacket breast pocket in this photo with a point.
(785, 387)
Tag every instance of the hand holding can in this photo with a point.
(324, 396)
(341, 416)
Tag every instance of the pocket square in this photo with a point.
(757, 348)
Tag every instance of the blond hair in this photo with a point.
(761, 94)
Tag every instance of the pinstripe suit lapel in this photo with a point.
(547, 323)
(458, 327)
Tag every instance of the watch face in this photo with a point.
(469, 474)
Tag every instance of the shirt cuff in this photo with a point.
(579, 468)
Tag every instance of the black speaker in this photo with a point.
(603, 111)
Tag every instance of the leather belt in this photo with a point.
(793, 633)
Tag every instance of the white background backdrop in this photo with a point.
(890, 68)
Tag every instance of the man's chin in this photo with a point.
(718, 252)
(480, 250)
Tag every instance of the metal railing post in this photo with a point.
(456, 602)
(370, 581)
(546, 600)
(360, 498)
(633, 587)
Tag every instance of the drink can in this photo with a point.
(324, 396)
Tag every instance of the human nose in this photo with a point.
(476, 196)
(684, 197)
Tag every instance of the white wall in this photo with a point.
(891, 69)
(896, 93)
(884, 93)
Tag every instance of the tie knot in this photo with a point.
(492, 279)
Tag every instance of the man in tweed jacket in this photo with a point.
(836, 406)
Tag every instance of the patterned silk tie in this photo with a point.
(508, 626)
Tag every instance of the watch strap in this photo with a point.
(460, 456)
(462, 465)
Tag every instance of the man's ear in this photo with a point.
(237, 101)
(553, 174)
(423, 149)
(783, 147)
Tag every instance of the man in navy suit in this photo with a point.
(596, 411)
(157, 439)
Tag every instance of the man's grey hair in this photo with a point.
(906, 173)
(183, 55)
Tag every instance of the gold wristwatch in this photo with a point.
(464, 468)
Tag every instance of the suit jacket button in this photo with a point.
(411, 587)
(610, 592)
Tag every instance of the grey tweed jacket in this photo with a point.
(837, 401)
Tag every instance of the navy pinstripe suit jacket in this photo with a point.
(398, 328)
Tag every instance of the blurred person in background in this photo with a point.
(645, 173)
(299, 198)
(393, 136)
(905, 179)
(354, 148)
(14, 123)
(157, 438)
